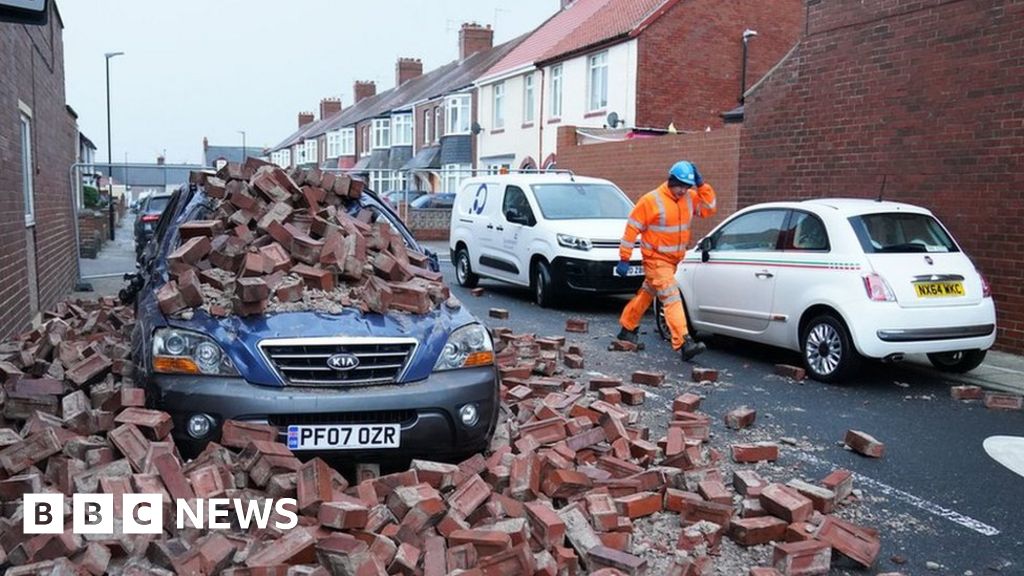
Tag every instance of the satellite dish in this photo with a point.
(613, 119)
(475, 128)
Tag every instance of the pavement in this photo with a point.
(936, 496)
(105, 273)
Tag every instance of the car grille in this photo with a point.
(610, 243)
(303, 361)
(375, 417)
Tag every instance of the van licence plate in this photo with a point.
(344, 436)
(939, 289)
(633, 271)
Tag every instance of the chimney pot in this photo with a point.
(363, 90)
(406, 69)
(329, 107)
(474, 38)
(306, 118)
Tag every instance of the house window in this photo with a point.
(453, 175)
(300, 155)
(382, 181)
(402, 129)
(528, 99)
(311, 155)
(26, 170)
(381, 133)
(284, 158)
(458, 114)
(437, 123)
(498, 119)
(334, 144)
(365, 136)
(348, 142)
(556, 91)
(428, 126)
(597, 82)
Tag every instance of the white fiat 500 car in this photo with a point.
(838, 280)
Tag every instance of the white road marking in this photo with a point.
(1007, 450)
(908, 498)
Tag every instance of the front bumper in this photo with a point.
(426, 410)
(594, 276)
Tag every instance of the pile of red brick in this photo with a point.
(297, 238)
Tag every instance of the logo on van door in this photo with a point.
(480, 200)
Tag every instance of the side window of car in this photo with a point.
(752, 232)
(805, 232)
(516, 207)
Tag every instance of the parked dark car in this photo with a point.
(145, 222)
(443, 200)
(429, 389)
(396, 197)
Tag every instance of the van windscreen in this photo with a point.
(572, 201)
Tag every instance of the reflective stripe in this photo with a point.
(672, 299)
(673, 289)
(661, 209)
(636, 225)
(625, 245)
(714, 202)
(671, 229)
(646, 245)
(689, 204)
(649, 289)
(673, 248)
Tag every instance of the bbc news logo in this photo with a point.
(144, 513)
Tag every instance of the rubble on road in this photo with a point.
(864, 444)
(286, 241)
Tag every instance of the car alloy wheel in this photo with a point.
(824, 349)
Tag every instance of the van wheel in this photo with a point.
(542, 286)
(828, 351)
(957, 362)
(463, 272)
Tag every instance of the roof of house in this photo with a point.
(230, 153)
(583, 24)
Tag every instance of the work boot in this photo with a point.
(631, 336)
(691, 348)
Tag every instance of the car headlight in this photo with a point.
(183, 352)
(574, 242)
(466, 347)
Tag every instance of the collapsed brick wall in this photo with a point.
(926, 94)
(32, 72)
(689, 61)
(430, 223)
(638, 166)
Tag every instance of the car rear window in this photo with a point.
(157, 203)
(571, 201)
(901, 233)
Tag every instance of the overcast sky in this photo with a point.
(195, 68)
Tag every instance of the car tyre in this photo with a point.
(543, 286)
(662, 324)
(957, 362)
(464, 271)
(827, 349)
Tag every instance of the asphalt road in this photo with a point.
(935, 497)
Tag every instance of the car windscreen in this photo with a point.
(901, 233)
(572, 201)
(157, 203)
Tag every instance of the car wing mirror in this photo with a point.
(705, 249)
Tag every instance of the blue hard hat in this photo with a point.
(684, 172)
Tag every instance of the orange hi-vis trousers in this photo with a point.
(660, 282)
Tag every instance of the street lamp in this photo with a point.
(110, 157)
(747, 35)
(244, 149)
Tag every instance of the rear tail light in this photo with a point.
(150, 217)
(986, 289)
(878, 289)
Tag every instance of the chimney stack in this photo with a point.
(206, 143)
(364, 90)
(306, 118)
(406, 69)
(474, 38)
(329, 107)
(160, 160)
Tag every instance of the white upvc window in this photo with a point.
(528, 99)
(27, 189)
(365, 140)
(348, 142)
(311, 156)
(334, 144)
(382, 181)
(401, 129)
(428, 126)
(556, 91)
(286, 158)
(597, 82)
(438, 126)
(498, 109)
(453, 175)
(300, 154)
(458, 114)
(381, 133)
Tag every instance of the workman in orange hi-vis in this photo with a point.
(662, 219)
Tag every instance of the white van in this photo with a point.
(552, 232)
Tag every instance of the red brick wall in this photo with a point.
(32, 70)
(640, 165)
(689, 60)
(926, 93)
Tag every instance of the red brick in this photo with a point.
(486, 542)
(631, 395)
(622, 346)
(315, 278)
(849, 539)
(314, 485)
(966, 392)
(1001, 401)
(89, 370)
(840, 482)
(748, 482)
(697, 510)
(786, 503)
(704, 374)
(791, 372)
(237, 434)
(343, 514)
(863, 443)
(545, 524)
(824, 499)
(251, 289)
(714, 491)
(639, 505)
(755, 531)
(191, 251)
(499, 313)
(155, 424)
(807, 558)
(128, 440)
(740, 418)
(564, 484)
(469, 496)
(686, 403)
(295, 547)
(578, 325)
(648, 378)
(749, 453)
(605, 557)
(169, 470)
(763, 571)
(573, 361)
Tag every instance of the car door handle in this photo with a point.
(490, 226)
(764, 274)
(500, 229)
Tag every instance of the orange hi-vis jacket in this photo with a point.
(663, 222)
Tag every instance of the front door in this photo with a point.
(734, 289)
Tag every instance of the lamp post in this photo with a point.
(244, 149)
(747, 35)
(110, 157)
